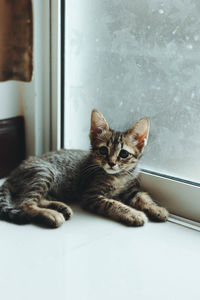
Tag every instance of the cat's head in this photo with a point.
(116, 151)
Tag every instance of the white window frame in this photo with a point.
(181, 198)
(55, 74)
(40, 99)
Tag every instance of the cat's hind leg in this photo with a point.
(43, 216)
(143, 202)
(29, 185)
(58, 206)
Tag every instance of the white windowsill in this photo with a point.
(90, 257)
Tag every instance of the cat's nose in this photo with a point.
(111, 164)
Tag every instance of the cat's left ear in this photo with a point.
(99, 126)
(138, 133)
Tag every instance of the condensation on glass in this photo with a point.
(137, 58)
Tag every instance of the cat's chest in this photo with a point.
(117, 185)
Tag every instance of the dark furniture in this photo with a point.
(12, 144)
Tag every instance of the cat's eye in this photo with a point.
(123, 153)
(103, 150)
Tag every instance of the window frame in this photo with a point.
(181, 198)
(56, 74)
(41, 99)
(35, 96)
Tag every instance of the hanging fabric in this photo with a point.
(16, 40)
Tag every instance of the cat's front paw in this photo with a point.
(135, 219)
(159, 214)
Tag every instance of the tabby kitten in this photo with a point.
(104, 180)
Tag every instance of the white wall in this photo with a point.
(32, 99)
(9, 99)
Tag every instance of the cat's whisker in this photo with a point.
(88, 173)
(90, 170)
(91, 166)
(129, 173)
(85, 176)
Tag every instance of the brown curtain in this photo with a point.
(16, 40)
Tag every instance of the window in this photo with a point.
(138, 58)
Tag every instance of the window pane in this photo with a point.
(137, 58)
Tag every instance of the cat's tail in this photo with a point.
(7, 211)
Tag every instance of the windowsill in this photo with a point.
(90, 257)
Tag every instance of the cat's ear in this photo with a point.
(99, 126)
(138, 133)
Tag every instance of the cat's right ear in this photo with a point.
(99, 126)
(138, 133)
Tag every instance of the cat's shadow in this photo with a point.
(77, 212)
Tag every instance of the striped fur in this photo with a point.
(40, 188)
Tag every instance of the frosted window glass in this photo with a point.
(137, 58)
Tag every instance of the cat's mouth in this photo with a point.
(111, 170)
